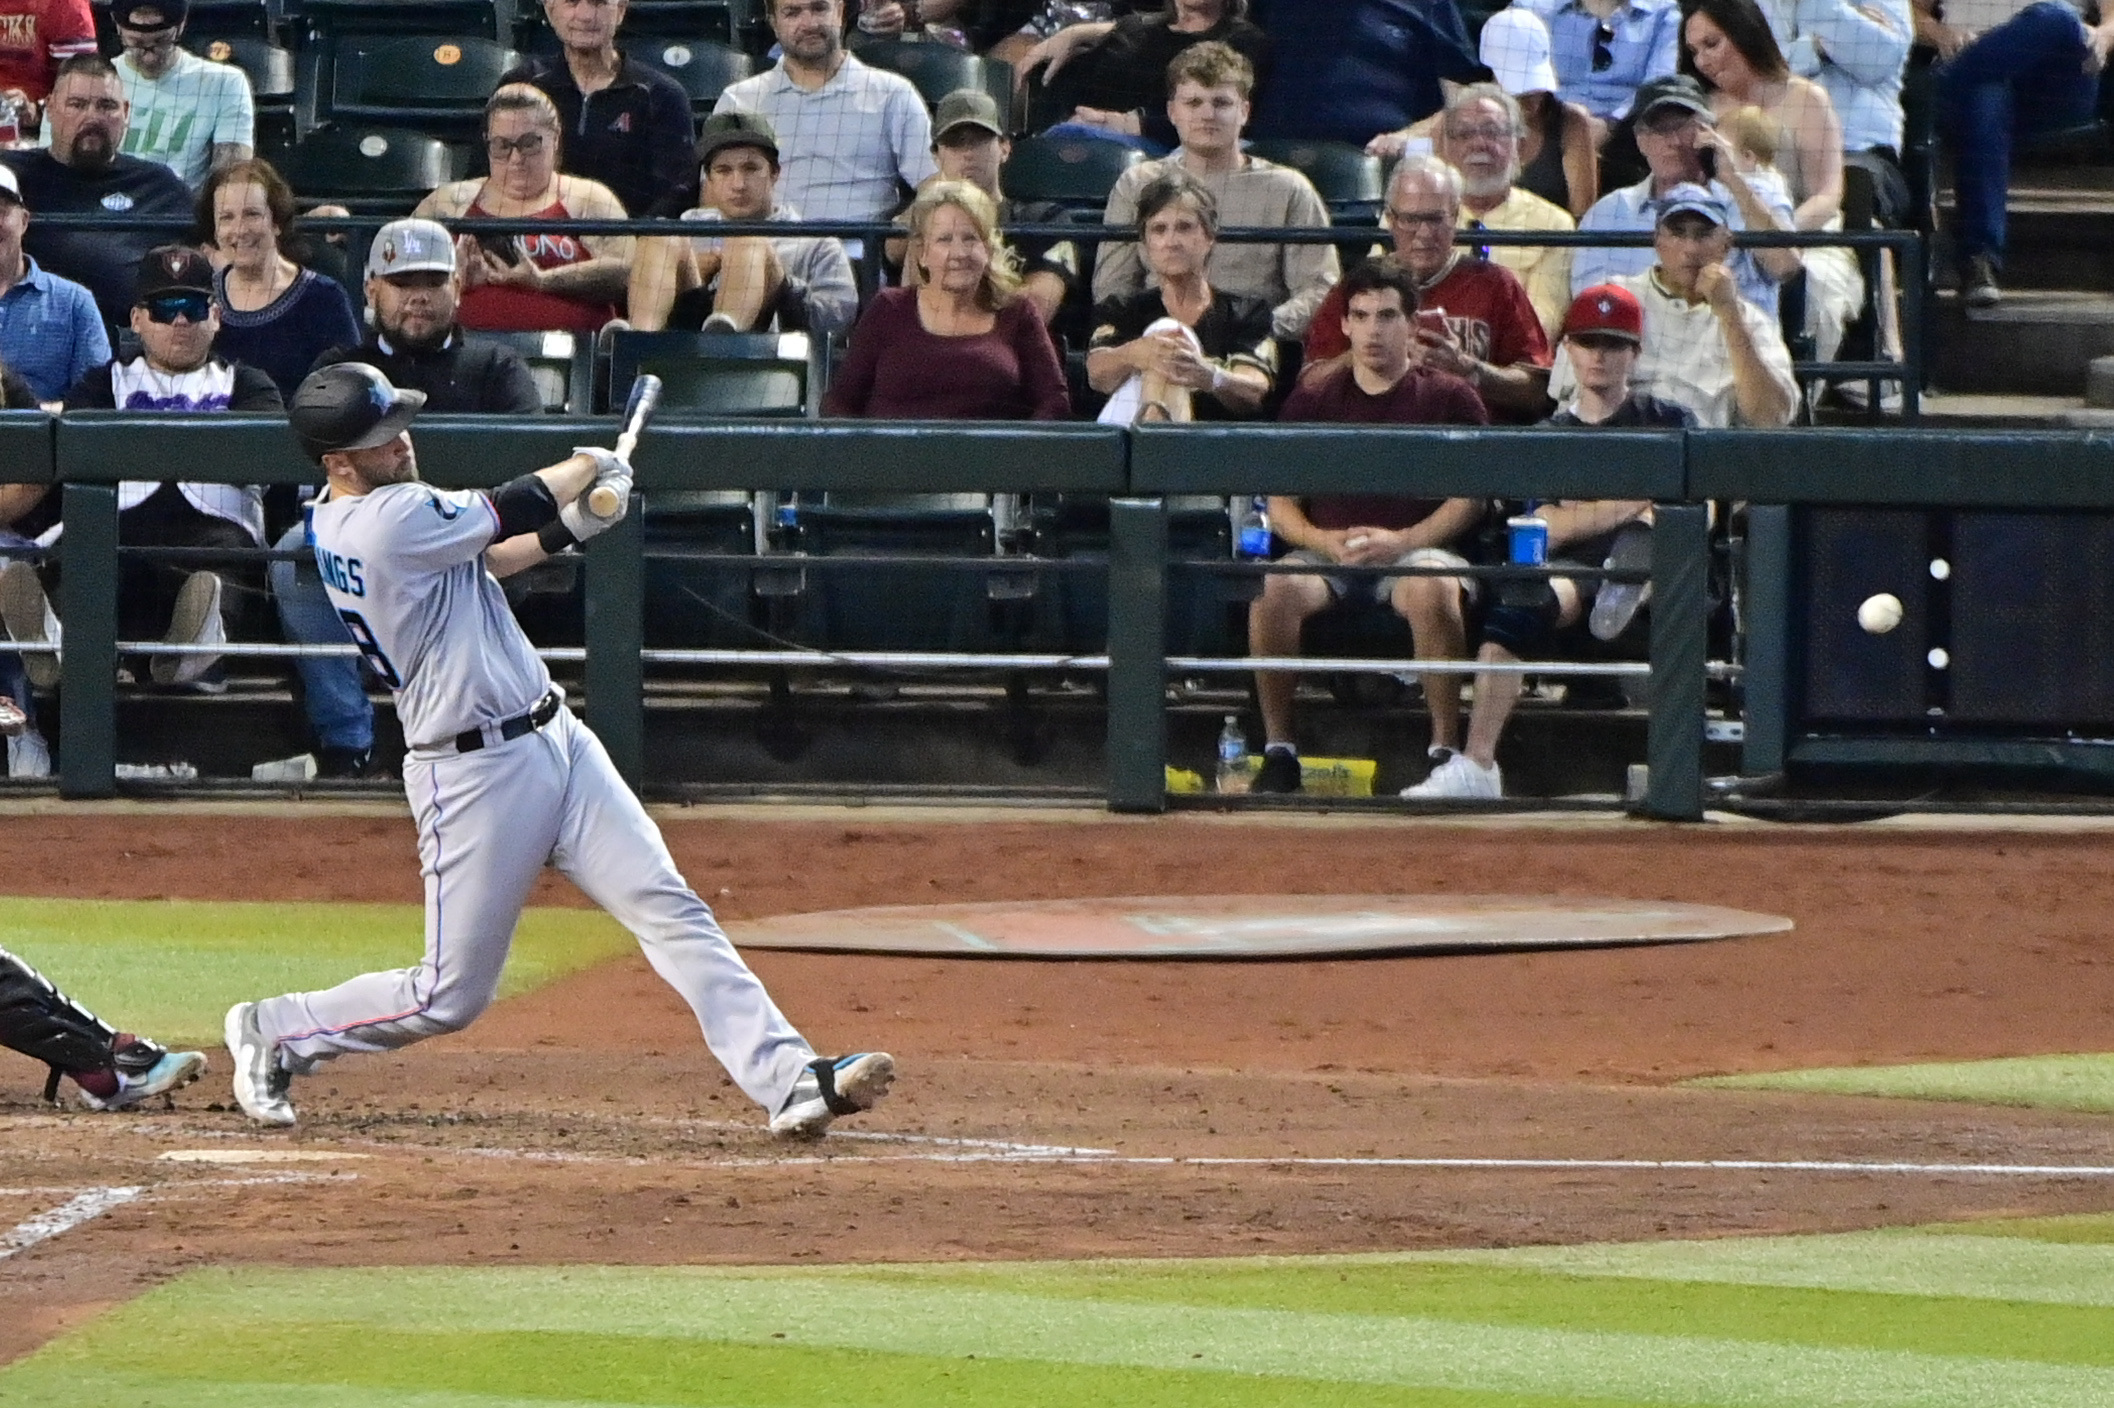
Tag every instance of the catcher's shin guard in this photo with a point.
(44, 1024)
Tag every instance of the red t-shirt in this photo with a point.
(1485, 304)
(36, 36)
(1420, 398)
(505, 308)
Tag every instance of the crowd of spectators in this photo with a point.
(1690, 120)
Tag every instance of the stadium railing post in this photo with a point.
(616, 634)
(88, 600)
(1137, 655)
(1680, 649)
(1767, 575)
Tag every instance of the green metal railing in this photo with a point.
(89, 453)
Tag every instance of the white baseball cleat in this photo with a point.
(262, 1085)
(830, 1087)
(1459, 778)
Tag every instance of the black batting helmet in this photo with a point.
(349, 406)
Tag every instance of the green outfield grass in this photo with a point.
(2080, 1082)
(171, 968)
(1980, 1316)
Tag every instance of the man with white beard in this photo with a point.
(1479, 137)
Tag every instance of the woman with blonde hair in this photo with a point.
(525, 283)
(956, 342)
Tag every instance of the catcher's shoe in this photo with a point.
(140, 1070)
(830, 1087)
(261, 1083)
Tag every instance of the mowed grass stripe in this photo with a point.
(1954, 1267)
(251, 1318)
(345, 1367)
(2069, 1082)
(171, 968)
(1712, 1306)
(2089, 1229)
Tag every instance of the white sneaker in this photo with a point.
(196, 621)
(26, 612)
(28, 755)
(1459, 778)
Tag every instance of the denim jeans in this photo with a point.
(337, 704)
(2025, 76)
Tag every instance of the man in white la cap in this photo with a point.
(412, 288)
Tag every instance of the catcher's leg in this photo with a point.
(112, 1068)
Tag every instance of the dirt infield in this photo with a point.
(1059, 1109)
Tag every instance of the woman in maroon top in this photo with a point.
(957, 342)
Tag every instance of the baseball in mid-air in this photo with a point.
(1880, 613)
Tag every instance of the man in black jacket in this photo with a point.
(626, 125)
(176, 372)
(413, 287)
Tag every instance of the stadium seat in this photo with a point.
(701, 66)
(373, 170)
(562, 364)
(723, 374)
(1203, 615)
(1070, 171)
(271, 74)
(336, 18)
(415, 79)
(938, 69)
(917, 606)
(1347, 177)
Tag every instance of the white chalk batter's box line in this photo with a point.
(87, 1204)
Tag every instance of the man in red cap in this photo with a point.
(1603, 334)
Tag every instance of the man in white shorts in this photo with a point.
(1383, 382)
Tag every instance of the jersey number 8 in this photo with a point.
(370, 649)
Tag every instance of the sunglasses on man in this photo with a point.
(168, 307)
(1603, 47)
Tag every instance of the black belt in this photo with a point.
(472, 739)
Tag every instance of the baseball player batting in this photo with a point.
(501, 778)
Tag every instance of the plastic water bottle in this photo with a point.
(1232, 756)
(1253, 538)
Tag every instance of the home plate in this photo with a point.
(257, 1156)
(1253, 926)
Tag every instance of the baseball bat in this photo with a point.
(638, 410)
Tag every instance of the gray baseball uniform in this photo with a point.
(502, 780)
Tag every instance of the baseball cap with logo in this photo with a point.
(10, 187)
(410, 247)
(1673, 90)
(967, 107)
(1695, 200)
(173, 268)
(149, 15)
(1609, 310)
(735, 128)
